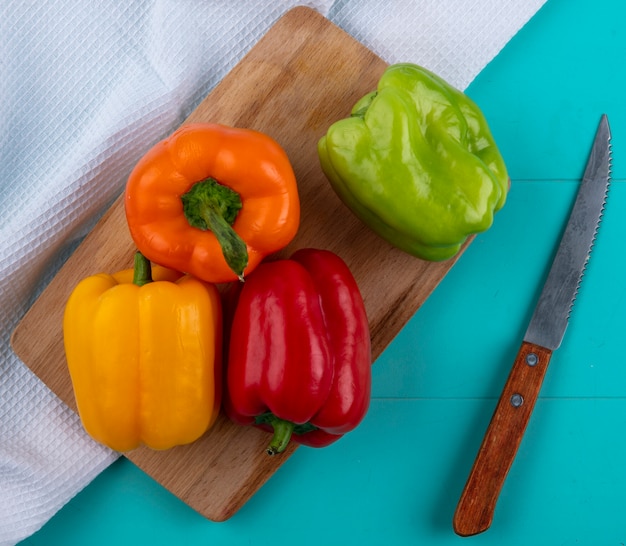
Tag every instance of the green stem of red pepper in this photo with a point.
(282, 434)
(142, 270)
(283, 430)
(209, 205)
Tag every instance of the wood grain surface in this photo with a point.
(304, 74)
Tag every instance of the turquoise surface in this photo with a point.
(397, 478)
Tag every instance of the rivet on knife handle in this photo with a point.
(476, 507)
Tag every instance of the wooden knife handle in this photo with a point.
(477, 504)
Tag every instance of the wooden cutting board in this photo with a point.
(304, 74)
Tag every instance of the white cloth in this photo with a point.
(85, 88)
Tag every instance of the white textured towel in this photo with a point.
(85, 88)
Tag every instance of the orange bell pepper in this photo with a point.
(212, 201)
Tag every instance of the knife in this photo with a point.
(474, 512)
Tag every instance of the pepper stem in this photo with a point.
(209, 205)
(282, 434)
(283, 430)
(142, 270)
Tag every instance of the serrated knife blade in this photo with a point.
(549, 321)
(476, 507)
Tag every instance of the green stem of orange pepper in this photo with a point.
(209, 205)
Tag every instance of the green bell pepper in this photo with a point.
(417, 163)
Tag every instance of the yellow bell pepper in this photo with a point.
(144, 356)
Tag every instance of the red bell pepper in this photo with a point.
(299, 359)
